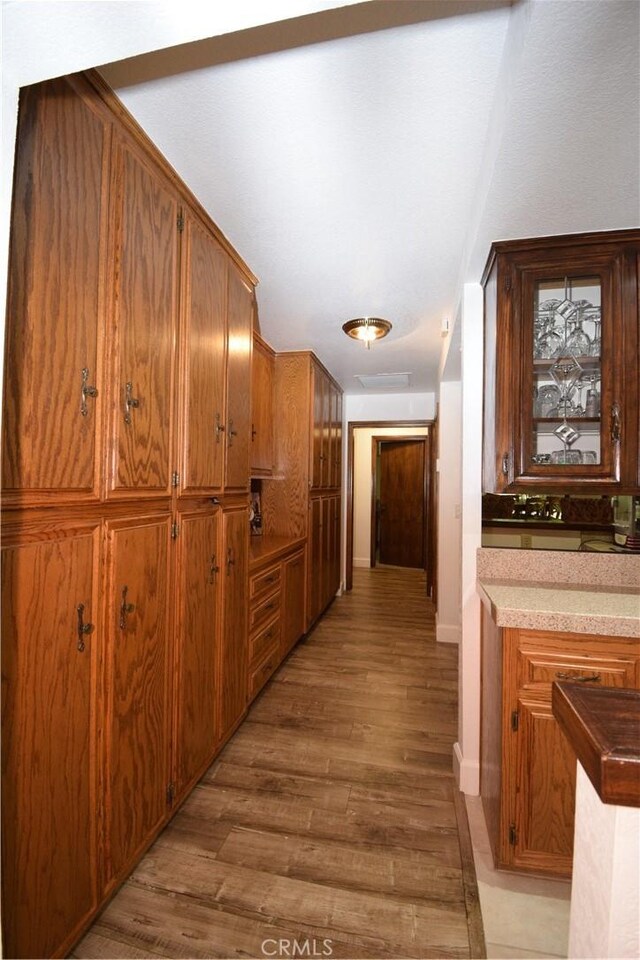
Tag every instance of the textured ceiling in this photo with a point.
(363, 165)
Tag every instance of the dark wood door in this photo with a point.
(137, 686)
(54, 312)
(144, 327)
(204, 330)
(233, 661)
(197, 640)
(240, 319)
(402, 502)
(49, 761)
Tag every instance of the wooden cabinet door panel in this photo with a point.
(137, 686)
(316, 561)
(336, 437)
(240, 318)
(145, 300)
(317, 446)
(293, 605)
(204, 282)
(198, 630)
(327, 446)
(262, 374)
(49, 762)
(544, 798)
(55, 298)
(232, 668)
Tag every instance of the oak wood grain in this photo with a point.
(239, 344)
(262, 412)
(233, 657)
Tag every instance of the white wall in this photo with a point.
(362, 491)
(448, 617)
(389, 406)
(467, 749)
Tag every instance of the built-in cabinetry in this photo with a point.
(305, 499)
(561, 409)
(528, 768)
(125, 587)
(262, 412)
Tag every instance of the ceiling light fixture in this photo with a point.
(367, 329)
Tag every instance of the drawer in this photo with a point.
(259, 676)
(266, 641)
(265, 610)
(264, 583)
(538, 669)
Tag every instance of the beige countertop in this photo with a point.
(600, 610)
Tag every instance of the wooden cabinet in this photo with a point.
(262, 373)
(264, 626)
(528, 768)
(203, 359)
(326, 463)
(197, 633)
(293, 594)
(54, 387)
(144, 325)
(316, 562)
(137, 686)
(50, 655)
(561, 360)
(232, 664)
(240, 318)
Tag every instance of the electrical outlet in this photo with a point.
(525, 541)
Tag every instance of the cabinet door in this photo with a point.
(327, 433)
(293, 596)
(144, 328)
(317, 449)
(262, 373)
(315, 577)
(49, 763)
(204, 286)
(240, 318)
(336, 552)
(336, 437)
(53, 363)
(232, 668)
(197, 641)
(137, 686)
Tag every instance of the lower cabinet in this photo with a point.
(50, 657)
(528, 768)
(293, 612)
(232, 661)
(138, 694)
(323, 574)
(200, 571)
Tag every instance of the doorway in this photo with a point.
(399, 501)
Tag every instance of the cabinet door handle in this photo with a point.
(83, 628)
(86, 391)
(592, 678)
(231, 433)
(230, 560)
(213, 568)
(254, 433)
(219, 428)
(269, 606)
(125, 608)
(616, 425)
(130, 402)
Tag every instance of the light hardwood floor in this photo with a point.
(331, 818)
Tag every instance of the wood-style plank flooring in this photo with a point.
(331, 818)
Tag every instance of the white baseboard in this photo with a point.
(448, 632)
(467, 774)
(361, 562)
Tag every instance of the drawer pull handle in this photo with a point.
(130, 402)
(270, 579)
(125, 608)
(86, 391)
(213, 568)
(270, 606)
(592, 678)
(83, 628)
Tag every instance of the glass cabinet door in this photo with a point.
(566, 359)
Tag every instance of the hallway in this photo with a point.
(331, 815)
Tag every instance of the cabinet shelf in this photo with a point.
(545, 364)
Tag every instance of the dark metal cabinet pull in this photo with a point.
(125, 608)
(83, 628)
(230, 560)
(219, 428)
(87, 391)
(130, 402)
(616, 426)
(231, 433)
(213, 568)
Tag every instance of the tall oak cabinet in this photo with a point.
(125, 506)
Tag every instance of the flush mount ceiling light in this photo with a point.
(367, 329)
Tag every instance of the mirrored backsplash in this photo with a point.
(556, 522)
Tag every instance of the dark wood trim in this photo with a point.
(375, 447)
(351, 426)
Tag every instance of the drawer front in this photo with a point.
(538, 669)
(265, 610)
(259, 676)
(264, 583)
(265, 641)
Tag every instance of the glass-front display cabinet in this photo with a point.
(561, 364)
